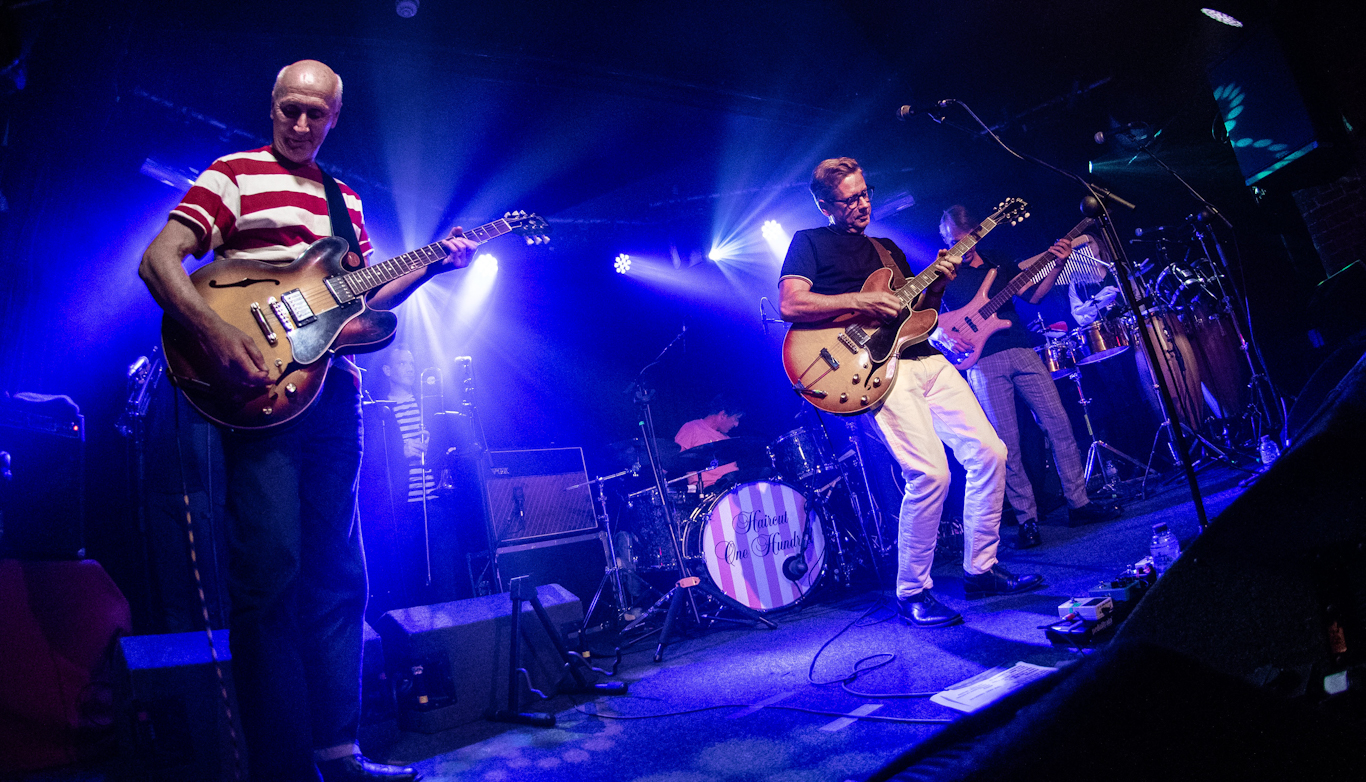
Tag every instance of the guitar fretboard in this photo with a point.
(370, 277)
(921, 281)
(1036, 272)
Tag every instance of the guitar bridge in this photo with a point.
(261, 323)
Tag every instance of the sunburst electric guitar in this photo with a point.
(974, 323)
(846, 365)
(299, 314)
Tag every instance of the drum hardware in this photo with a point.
(612, 574)
(1094, 458)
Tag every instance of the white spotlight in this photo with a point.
(406, 8)
(622, 263)
(776, 237)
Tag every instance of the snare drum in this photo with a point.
(1183, 287)
(1101, 340)
(1057, 357)
(799, 456)
(745, 536)
(647, 520)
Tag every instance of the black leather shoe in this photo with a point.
(356, 768)
(922, 610)
(998, 581)
(1093, 511)
(1028, 536)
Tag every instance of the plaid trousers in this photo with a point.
(995, 379)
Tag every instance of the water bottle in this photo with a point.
(1165, 548)
(1268, 450)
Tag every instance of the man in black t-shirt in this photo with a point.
(1008, 364)
(822, 278)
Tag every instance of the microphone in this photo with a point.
(1157, 229)
(794, 567)
(906, 112)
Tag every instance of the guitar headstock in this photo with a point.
(1012, 210)
(529, 226)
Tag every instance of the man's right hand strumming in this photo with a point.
(240, 362)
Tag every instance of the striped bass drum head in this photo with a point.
(745, 536)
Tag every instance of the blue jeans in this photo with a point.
(297, 582)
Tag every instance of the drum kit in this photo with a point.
(1186, 309)
(763, 537)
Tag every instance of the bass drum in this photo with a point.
(745, 536)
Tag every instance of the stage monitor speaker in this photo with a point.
(461, 650)
(42, 478)
(576, 562)
(172, 724)
(171, 720)
(538, 494)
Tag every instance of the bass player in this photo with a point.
(1008, 363)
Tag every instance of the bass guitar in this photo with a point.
(299, 315)
(846, 365)
(974, 323)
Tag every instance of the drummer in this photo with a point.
(723, 415)
(1008, 364)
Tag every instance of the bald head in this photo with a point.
(309, 75)
(303, 109)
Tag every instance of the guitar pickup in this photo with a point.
(298, 307)
(339, 289)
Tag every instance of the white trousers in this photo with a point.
(931, 406)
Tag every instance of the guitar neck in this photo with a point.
(1032, 275)
(921, 281)
(368, 278)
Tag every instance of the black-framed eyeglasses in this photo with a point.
(852, 201)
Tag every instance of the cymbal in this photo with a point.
(733, 449)
(627, 453)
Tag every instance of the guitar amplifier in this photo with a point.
(538, 494)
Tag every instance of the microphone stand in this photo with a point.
(1094, 205)
(681, 593)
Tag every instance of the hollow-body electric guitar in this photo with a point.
(846, 365)
(974, 323)
(299, 314)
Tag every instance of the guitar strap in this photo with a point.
(337, 212)
(898, 279)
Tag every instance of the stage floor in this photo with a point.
(695, 715)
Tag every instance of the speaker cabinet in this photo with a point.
(450, 660)
(42, 478)
(538, 494)
(576, 562)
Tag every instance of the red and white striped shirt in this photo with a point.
(256, 205)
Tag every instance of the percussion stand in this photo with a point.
(1260, 382)
(1093, 452)
(1204, 229)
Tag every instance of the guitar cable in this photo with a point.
(204, 602)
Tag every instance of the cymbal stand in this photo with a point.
(682, 592)
(1094, 459)
(612, 574)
